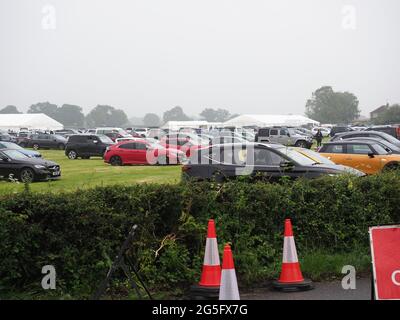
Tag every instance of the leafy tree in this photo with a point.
(9, 110)
(175, 114)
(218, 115)
(44, 107)
(390, 116)
(70, 116)
(104, 115)
(328, 106)
(151, 120)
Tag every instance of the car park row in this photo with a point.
(221, 153)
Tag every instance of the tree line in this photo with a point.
(325, 106)
(104, 115)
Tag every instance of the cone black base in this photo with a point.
(293, 286)
(203, 293)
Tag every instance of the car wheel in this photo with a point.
(35, 146)
(392, 167)
(72, 155)
(163, 161)
(61, 146)
(301, 144)
(116, 161)
(27, 175)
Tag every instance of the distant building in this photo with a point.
(377, 112)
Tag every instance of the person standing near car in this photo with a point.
(318, 137)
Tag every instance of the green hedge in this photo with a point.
(80, 233)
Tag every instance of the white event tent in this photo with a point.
(176, 125)
(38, 121)
(265, 120)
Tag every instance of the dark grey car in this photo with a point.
(268, 162)
(367, 134)
(44, 141)
(16, 165)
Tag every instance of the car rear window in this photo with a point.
(334, 148)
(263, 132)
(78, 139)
(273, 132)
(358, 149)
(127, 146)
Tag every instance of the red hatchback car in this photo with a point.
(186, 145)
(142, 152)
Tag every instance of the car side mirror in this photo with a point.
(371, 154)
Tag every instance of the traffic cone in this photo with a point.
(229, 287)
(291, 278)
(208, 287)
(211, 274)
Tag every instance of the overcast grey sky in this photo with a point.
(248, 56)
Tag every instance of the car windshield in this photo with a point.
(10, 145)
(297, 157)
(293, 131)
(390, 138)
(105, 139)
(15, 155)
(122, 133)
(380, 149)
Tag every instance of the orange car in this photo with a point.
(366, 156)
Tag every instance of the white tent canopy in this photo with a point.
(176, 125)
(38, 121)
(265, 120)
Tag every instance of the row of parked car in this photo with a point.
(272, 152)
(357, 152)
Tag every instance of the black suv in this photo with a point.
(15, 165)
(87, 145)
(44, 141)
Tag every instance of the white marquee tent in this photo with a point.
(265, 120)
(38, 121)
(176, 125)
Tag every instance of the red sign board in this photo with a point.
(385, 250)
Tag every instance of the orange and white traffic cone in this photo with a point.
(208, 287)
(211, 275)
(229, 287)
(291, 278)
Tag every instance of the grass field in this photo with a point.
(83, 174)
(94, 172)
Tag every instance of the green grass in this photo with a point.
(94, 172)
(322, 266)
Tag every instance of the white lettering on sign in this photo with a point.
(396, 283)
(49, 280)
(349, 281)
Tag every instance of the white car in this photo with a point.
(325, 131)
